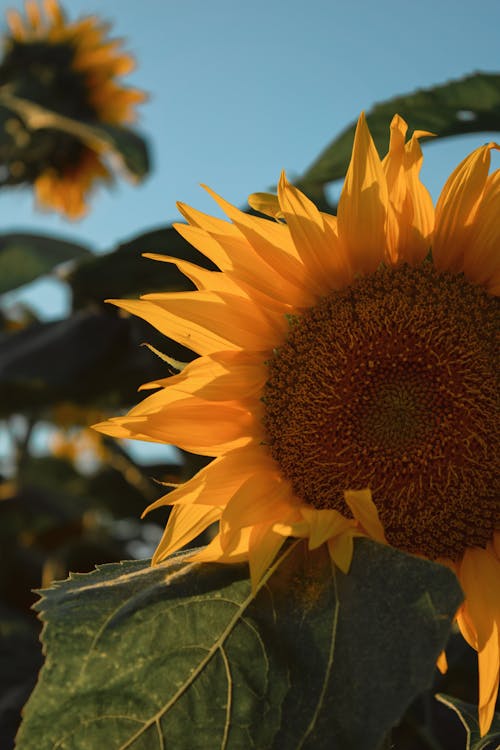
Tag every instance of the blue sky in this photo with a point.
(240, 90)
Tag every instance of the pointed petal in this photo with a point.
(412, 215)
(195, 337)
(232, 317)
(201, 240)
(213, 552)
(216, 483)
(442, 662)
(262, 498)
(482, 256)
(479, 577)
(264, 545)
(198, 426)
(456, 209)
(316, 243)
(185, 523)
(324, 524)
(363, 205)
(176, 323)
(273, 263)
(341, 549)
(210, 281)
(267, 204)
(365, 511)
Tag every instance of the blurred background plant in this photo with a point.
(69, 497)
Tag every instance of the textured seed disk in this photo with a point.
(393, 384)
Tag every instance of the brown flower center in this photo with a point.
(393, 384)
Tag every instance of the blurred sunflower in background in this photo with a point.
(347, 378)
(59, 80)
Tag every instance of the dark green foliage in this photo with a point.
(25, 257)
(125, 273)
(468, 716)
(468, 105)
(313, 659)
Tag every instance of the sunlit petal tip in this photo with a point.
(442, 662)
(185, 523)
(113, 428)
(417, 134)
(266, 203)
(399, 124)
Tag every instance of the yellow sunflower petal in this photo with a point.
(364, 510)
(184, 525)
(317, 245)
(202, 240)
(198, 426)
(363, 205)
(324, 524)
(442, 662)
(479, 577)
(267, 204)
(174, 325)
(216, 483)
(482, 257)
(262, 498)
(242, 323)
(271, 252)
(456, 209)
(412, 217)
(213, 552)
(341, 549)
(264, 545)
(224, 376)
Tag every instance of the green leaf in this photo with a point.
(85, 358)
(187, 657)
(469, 717)
(124, 272)
(25, 257)
(129, 146)
(467, 105)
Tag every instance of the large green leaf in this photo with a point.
(468, 717)
(187, 657)
(89, 357)
(25, 257)
(124, 272)
(468, 105)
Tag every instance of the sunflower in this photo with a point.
(347, 378)
(71, 69)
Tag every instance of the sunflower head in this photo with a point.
(348, 377)
(54, 75)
